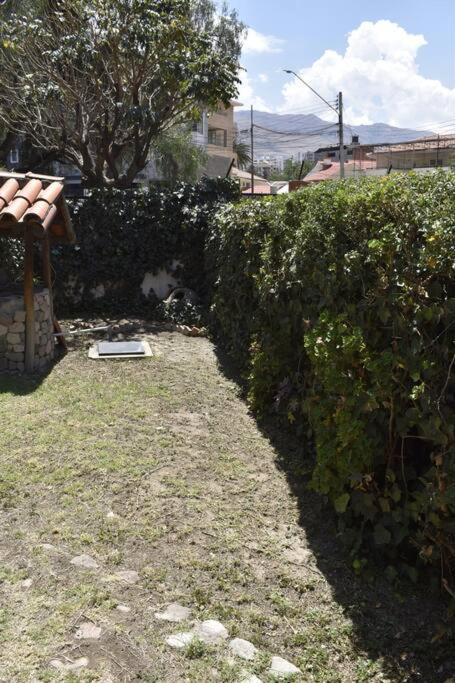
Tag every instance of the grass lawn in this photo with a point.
(156, 467)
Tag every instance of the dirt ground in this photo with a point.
(155, 467)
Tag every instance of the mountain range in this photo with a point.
(287, 134)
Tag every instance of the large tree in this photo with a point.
(98, 83)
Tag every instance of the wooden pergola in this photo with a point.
(32, 207)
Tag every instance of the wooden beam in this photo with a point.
(47, 274)
(29, 302)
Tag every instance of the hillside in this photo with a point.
(315, 133)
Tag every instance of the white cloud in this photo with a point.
(258, 43)
(263, 78)
(246, 94)
(379, 77)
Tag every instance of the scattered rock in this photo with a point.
(180, 640)
(111, 515)
(191, 331)
(88, 631)
(85, 561)
(123, 608)
(49, 547)
(211, 631)
(26, 583)
(281, 668)
(69, 666)
(128, 575)
(174, 612)
(243, 648)
(252, 679)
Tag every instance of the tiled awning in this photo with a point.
(35, 201)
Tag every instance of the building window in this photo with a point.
(217, 137)
(14, 156)
(198, 127)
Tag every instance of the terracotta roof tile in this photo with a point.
(330, 170)
(36, 201)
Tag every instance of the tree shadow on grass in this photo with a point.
(395, 624)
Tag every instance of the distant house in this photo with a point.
(261, 185)
(330, 170)
(333, 152)
(428, 152)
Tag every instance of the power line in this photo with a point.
(308, 133)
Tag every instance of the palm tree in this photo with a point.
(242, 149)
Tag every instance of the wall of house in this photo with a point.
(12, 331)
(411, 158)
(221, 129)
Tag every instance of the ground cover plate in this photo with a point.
(124, 349)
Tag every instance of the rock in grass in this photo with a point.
(211, 632)
(69, 666)
(243, 648)
(251, 679)
(88, 631)
(281, 668)
(123, 608)
(84, 561)
(174, 613)
(128, 575)
(180, 640)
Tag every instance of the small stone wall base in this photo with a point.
(12, 332)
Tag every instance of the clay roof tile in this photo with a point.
(37, 200)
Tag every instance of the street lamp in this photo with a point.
(338, 110)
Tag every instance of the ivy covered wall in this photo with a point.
(123, 235)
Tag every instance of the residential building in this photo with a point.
(330, 170)
(266, 166)
(220, 140)
(333, 152)
(303, 156)
(427, 152)
(261, 185)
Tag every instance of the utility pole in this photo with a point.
(340, 132)
(252, 152)
(338, 110)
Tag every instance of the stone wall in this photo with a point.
(12, 331)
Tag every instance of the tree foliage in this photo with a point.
(243, 152)
(338, 301)
(292, 170)
(177, 157)
(97, 83)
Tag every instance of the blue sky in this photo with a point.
(399, 66)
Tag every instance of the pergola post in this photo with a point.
(29, 301)
(47, 275)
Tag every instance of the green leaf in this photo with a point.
(382, 536)
(341, 503)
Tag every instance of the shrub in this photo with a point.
(337, 301)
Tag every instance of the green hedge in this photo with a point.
(122, 234)
(337, 301)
